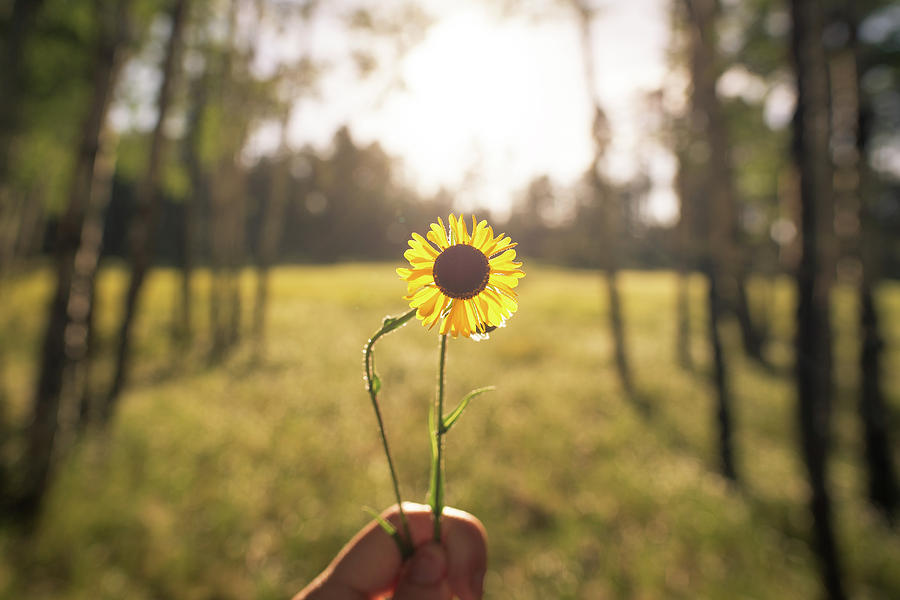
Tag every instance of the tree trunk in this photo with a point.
(87, 402)
(30, 236)
(685, 259)
(181, 306)
(715, 209)
(227, 205)
(260, 307)
(271, 226)
(730, 261)
(609, 216)
(813, 335)
(4, 433)
(227, 249)
(724, 419)
(618, 328)
(854, 183)
(199, 96)
(751, 332)
(14, 211)
(22, 222)
(21, 21)
(683, 316)
(882, 473)
(236, 252)
(81, 336)
(14, 208)
(216, 283)
(41, 433)
(143, 224)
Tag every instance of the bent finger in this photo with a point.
(368, 565)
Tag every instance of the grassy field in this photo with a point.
(241, 479)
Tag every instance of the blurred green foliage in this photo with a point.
(243, 479)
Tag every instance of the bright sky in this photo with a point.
(489, 103)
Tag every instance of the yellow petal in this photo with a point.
(508, 305)
(438, 235)
(424, 245)
(504, 244)
(416, 275)
(452, 319)
(506, 257)
(435, 315)
(505, 304)
(514, 269)
(463, 232)
(481, 234)
(415, 286)
(472, 320)
(454, 229)
(445, 324)
(484, 311)
(416, 257)
(491, 245)
(504, 290)
(498, 279)
(423, 296)
(427, 306)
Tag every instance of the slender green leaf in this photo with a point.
(433, 492)
(388, 528)
(403, 545)
(448, 421)
(376, 383)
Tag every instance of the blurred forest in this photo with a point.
(127, 146)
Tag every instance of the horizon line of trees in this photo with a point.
(350, 193)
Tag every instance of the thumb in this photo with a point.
(425, 577)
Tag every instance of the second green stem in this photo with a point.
(437, 482)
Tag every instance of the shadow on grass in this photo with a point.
(646, 404)
(787, 519)
(237, 361)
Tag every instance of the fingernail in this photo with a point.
(428, 566)
(478, 583)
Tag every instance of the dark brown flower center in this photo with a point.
(461, 271)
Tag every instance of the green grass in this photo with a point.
(242, 479)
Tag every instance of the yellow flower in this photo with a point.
(465, 281)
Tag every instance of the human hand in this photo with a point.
(370, 567)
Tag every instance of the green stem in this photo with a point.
(405, 542)
(438, 432)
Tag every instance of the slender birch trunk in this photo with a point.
(608, 210)
(42, 430)
(814, 279)
(143, 225)
(715, 211)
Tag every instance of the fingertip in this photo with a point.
(466, 544)
(425, 575)
(428, 565)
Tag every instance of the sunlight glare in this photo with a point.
(488, 100)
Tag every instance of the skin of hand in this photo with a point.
(370, 567)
